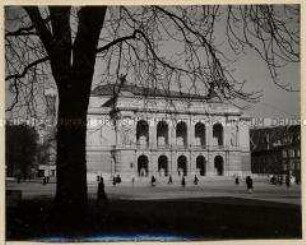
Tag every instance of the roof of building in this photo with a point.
(133, 90)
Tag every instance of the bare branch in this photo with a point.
(26, 69)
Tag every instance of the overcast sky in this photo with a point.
(275, 101)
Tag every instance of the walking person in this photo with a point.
(118, 179)
(237, 180)
(44, 181)
(249, 183)
(153, 181)
(170, 182)
(288, 181)
(183, 182)
(102, 201)
(196, 180)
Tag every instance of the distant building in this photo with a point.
(276, 150)
(47, 131)
(139, 132)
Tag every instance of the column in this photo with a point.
(210, 164)
(133, 133)
(209, 135)
(237, 128)
(189, 141)
(191, 132)
(193, 164)
(172, 132)
(153, 168)
(226, 136)
(152, 133)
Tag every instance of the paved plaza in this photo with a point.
(205, 190)
(211, 210)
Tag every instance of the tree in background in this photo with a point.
(20, 150)
(156, 46)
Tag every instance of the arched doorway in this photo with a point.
(142, 164)
(201, 165)
(181, 134)
(182, 166)
(218, 134)
(219, 165)
(142, 133)
(162, 133)
(200, 134)
(163, 166)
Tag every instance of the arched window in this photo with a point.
(219, 165)
(182, 166)
(199, 134)
(162, 133)
(201, 165)
(142, 133)
(181, 134)
(163, 165)
(142, 166)
(218, 134)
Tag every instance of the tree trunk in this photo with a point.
(73, 70)
(71, 189)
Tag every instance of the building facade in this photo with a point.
(138, 133)
(276, 150)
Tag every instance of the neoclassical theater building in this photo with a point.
(139, 132)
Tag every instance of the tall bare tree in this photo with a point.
(154, 45)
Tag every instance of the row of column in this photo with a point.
(179, 166)
(229, 136)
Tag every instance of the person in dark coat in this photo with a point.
(183, 182)
(288, 181)
(170, 180)
(196, 180)
(114, 181)
(153, 180)
(102, 202)
(237, 180)
(44, 182)
(249, 183)
(101, 195)
(118, 179)
(280, 180)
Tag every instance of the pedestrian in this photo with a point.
(18, 179)
(102, 200)
(237, 180)
(273, 180)
(183, 182)
(280, 180)
(114, 181)
(196, 180)
(288, 181)
(118, 179)
(153, 181)
(249, 183)
(44, 181)
(133, 181)
(170, 180)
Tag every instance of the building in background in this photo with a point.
(47, 133)
(276, 150)
(140, 132)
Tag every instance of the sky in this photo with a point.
(275, 102)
